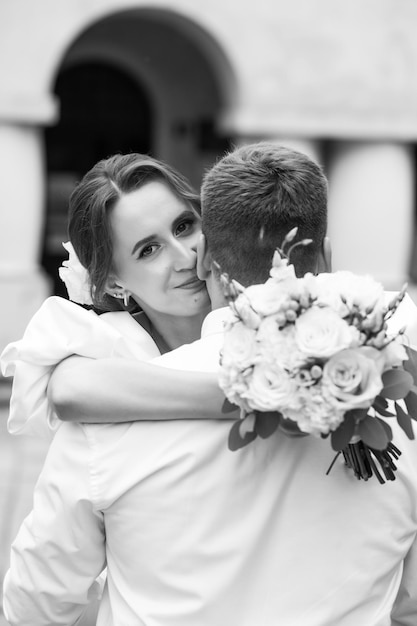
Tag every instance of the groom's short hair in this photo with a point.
(251, 198)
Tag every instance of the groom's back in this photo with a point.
(197, 534)
(200, 535)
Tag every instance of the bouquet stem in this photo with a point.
(362, 460)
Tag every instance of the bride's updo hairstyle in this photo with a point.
(92, 201)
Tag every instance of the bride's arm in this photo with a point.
(124, 390)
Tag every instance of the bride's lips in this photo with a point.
(192, 284)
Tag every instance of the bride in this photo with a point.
(134, 223)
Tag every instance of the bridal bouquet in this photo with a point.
(313, 356)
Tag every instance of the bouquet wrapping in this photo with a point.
(313, 356)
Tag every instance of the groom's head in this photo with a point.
(251, 199)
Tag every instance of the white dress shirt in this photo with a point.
(196, 535)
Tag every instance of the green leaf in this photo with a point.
(380, 405)
(373, 434)
(386, 427)
(291, 428)
(411, 404)
(236, 441)
(344, 432)
(228, 407)
(266, 423)
(397, 383)
(405, 422)
(411, 364)
(358, 414)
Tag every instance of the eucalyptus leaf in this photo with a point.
(267, 423)
(386, 427)
(411, 403)
(411, 364)
(228, 407)
(291, 428)
(343, 433)
(380, 405)
(358, 414)
(236, 441)
(397, 383)
(373, 434)
(405, 422)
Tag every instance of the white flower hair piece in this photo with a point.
(75, 277)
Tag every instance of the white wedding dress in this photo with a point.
(59, 329)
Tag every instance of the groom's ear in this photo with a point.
(203, 259)
(324, 263)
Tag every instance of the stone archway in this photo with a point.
(166, 67)
(100, 108)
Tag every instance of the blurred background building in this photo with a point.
(185, 80)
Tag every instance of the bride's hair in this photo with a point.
(91, 203)
(252, 198)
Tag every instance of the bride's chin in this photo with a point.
(200, 302)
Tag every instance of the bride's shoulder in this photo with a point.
(133, 329)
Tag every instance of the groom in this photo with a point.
(194, 534)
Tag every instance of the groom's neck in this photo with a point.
(216, 293)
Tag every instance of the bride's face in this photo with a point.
(155, 234)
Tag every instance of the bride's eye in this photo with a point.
(148, 250)
(185, 226)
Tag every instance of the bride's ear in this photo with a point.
(112, 286)
(203, 259)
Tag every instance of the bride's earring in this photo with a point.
(125, 296)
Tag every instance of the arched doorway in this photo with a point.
(143, 80)
(103, 111)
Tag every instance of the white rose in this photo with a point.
(268, 298)
(239, 346)
(278, 344)
(362, 291)
(320, 333)
(344, 290)
(317, 415)
(394, 353)
(352, 378)
(234, 383)
(271, 388)
(75, 277)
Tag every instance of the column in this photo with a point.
(371, 209)
(23, 285)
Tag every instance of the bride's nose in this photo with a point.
(185, 255)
